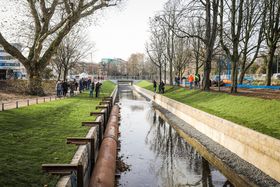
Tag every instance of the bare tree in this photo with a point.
(253, 25)
(155, 47)
(134, 64)
(182, 56)
(272, 33)
(208, 11)
(71, 50)
(231, 34)
(52, 21)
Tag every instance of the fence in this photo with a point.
(27, 102)
(78, 172)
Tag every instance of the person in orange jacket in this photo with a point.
(191, 79)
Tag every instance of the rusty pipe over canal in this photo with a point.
(103, 174)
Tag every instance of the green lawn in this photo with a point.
(34, 135)
(259, 114)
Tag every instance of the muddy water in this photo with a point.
(157, 156)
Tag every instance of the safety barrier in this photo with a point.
(78, 172)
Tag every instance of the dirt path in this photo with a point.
(260, 93)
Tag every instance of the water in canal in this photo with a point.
(157, 156)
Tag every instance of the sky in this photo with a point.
(123, 31)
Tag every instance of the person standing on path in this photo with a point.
(161, 87)
(155, 86)
(72, 88)
(81, 87)
(91, 89)
(197, 80)
(97, 88)
(58, 88)
(191, 79)
(64, 87)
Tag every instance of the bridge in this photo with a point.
(125, 82)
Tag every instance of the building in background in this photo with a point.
(11, 68)
(113, 67)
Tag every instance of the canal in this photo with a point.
(155, 153)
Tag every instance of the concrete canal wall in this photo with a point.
(83, 155)
(258, 149)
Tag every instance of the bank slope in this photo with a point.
(34, 135)
(258, 114)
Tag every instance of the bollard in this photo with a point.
(2, 106)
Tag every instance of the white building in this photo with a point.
(10, 68)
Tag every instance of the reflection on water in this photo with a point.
(155, 152)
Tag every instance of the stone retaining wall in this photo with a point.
(83, 155)
(258, 149)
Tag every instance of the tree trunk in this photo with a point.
(206, 76)
(160, 73)
(233, 88)
(165, 74)
(171, 74)
(242, 75)
(59, 74)
(65, 74)
(35, 85)
(269, 66)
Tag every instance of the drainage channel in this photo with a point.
(154, 152)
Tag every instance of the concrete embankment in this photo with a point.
(260, 153)
(84, 152)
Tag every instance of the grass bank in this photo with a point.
(34, 135)
(255, 113)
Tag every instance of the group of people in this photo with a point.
(97, 87)
(160, 86)
(62, 87)
(84, 84)
(194, 79)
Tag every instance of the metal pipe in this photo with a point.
(103, 174)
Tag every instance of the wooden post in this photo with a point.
(58, 169)
(16, 104)
(3, 107)
(44, 99)
(94, 124)
(27, 102)
(36, 100)
(83, 141)
(80, 176)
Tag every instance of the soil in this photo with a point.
(259, 93)
(121, 166)
(8, 96)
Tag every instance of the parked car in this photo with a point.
(215, 80)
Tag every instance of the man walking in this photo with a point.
(155, 86)
(58, 88)
(91, 89)
(161, 87)
(191, 79)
